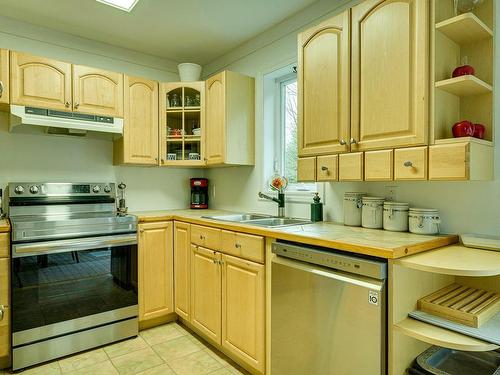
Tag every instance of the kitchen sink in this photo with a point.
(260, 220)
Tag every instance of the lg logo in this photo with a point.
(373, 298)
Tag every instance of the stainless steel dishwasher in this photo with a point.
(328, 312)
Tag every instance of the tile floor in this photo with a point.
(169, 349)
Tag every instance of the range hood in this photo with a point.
(39, 120)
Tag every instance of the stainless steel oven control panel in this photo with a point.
(54, 189)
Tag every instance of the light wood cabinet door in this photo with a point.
(155, 270)
(206, 293)
(410, 163)
(4, 305)
(4, 77)
(140, 125)
(306, 169)
(327, 168)
(449, 162)
(351, 167)
(182, 269)
(379, 165)
(40, 82)
(323, 87)
(243, 310)
(97, 91)
(4, 245)
(215, 119)
(389, 74)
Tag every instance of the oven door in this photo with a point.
(65, 286)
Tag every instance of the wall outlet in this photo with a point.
(391, 193)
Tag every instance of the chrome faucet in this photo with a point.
(280, 200)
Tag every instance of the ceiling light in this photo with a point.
(126, 5)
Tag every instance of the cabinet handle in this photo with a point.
(343, 142)
(67, 104)
(156, 159)
(408, 164)
(162, 161)
(352, 141)
(215, 261)
(2, 311)
(237, 245)
(141, 230)
(202, 237)
(323, 168)
(77, 105)
(1, 88)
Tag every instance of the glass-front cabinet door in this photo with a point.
(182, 124)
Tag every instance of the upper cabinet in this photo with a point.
(4, 78)
(40, 82)
(390, 62)
(182, 123)
(230, 119)
(97, 91)
(139, 144)
(324, 87)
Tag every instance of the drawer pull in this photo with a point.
(202, 237)
(237, 245)
(343, 142)
(2, 311)
(408, 164)
(323, 168)
(1, 89)
(352, 141)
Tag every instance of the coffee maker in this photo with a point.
(199, 193)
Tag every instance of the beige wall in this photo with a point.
(52, 158)
(465, 206)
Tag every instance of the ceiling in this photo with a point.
(180, 30)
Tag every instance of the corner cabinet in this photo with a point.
(323, 87)
(139, 144)
(97, 91)
(230, 119)
(390, 62)
(4, 79)
(40, 82)
(155, 271)
(182, 124)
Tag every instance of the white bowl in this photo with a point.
(189, 72)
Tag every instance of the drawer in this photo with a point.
(410, 163)
(4, 281)
(327, 168)
(243, 245)
(306, 169)
(206, 237)
(5, 334)
(4, 245)
(351, 167)
(449, 162)
(379, 165)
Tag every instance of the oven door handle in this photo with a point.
(76, 244)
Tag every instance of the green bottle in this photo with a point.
(316, 209)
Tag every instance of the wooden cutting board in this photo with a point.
(462, 304)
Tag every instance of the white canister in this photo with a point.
(372, 212)
(424, 220)
(396, 216)
(352, 208)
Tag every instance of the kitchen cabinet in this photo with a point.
(4, 300)
(40, 82)
(206, 292)
(155, 271)
(4, 79)
(410, 163)
(182, 124)
(306, 169)
(230, 119)
(243, 310)
(139, 144)
(324, 87)
(379, 165)
(97, 91)
(389, 74)
(182, 269)
(243, 245)
(351, 167)
(327, 168)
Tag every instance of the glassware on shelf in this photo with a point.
(188, 101)
(196, 101)
(464, 6)
(174, 100)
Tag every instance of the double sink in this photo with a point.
(260, 220)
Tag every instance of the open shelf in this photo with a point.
(464, 28)
(464, 86)
(455, 260)
(442, 337)
(444, 141)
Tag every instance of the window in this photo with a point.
(286, 134)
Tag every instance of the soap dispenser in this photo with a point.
(316, 209)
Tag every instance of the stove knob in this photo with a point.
(19, 189)
(107, 189)
(34, 189)
(96, 189)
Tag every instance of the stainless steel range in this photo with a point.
(74, 270)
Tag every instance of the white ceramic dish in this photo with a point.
(481, 241)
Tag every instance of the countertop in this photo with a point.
(375, 242)
(4, 225)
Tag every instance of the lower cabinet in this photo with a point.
(155, 271)
(4, 312)
(243, 310)
(182, 269)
